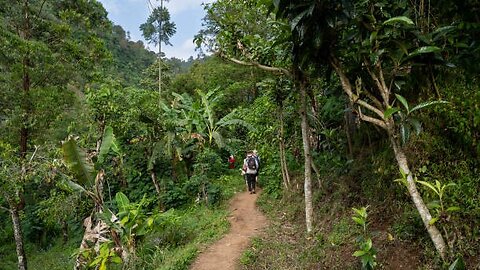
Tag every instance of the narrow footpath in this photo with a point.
(246, 221)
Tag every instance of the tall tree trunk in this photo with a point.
(308, 158)
(17, 233)
(14, 206)
(25, 34)
(422, 209)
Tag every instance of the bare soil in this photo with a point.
(246, 221)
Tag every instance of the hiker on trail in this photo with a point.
(255, 154)
(250, 166)
(231, 162)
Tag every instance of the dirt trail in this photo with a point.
(246, 221)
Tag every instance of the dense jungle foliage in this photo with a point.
(366, 116)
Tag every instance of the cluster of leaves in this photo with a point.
(366, 252)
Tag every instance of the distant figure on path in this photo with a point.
(250, 166)
(231, 162)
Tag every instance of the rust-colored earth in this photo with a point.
(246, 221)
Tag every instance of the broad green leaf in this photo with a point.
(218, 139)
(426, 104)
(103, 265)
(122, 201)
(73, 186)
(362, 212)
(124, 220)
(423, 50)
(76, 161)
(404, 102)
(430, 186)
(359, 220)
(107, 142)
(116, 259)
(368, 244)
(390, 111)
(150, 221)
(453, 209)
(433, 220)
(399, 19)
(359, 253)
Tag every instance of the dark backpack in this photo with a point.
(252, 165)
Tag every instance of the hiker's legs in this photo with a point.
(246, 182)
(254, 181)
(251, 182)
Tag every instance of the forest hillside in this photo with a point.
(365, 116)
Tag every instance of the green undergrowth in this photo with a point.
(286, 244)
(172, 247)
(334, 239)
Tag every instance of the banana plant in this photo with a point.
(407, 123)
(88, 178)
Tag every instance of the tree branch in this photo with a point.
(6, 209)
(256, 64)
(379, 84)
(347, 87)
(384, 89)
(372, 120)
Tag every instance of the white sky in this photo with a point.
(186, 14)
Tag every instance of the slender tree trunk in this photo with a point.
(281, 144)
(348, 132)
(308, 158)
(24, 136)
(155, 182)
(282, 167)
(18, 234)
(160, 36)
(422, 209)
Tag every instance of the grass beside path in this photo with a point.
(171, 248)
